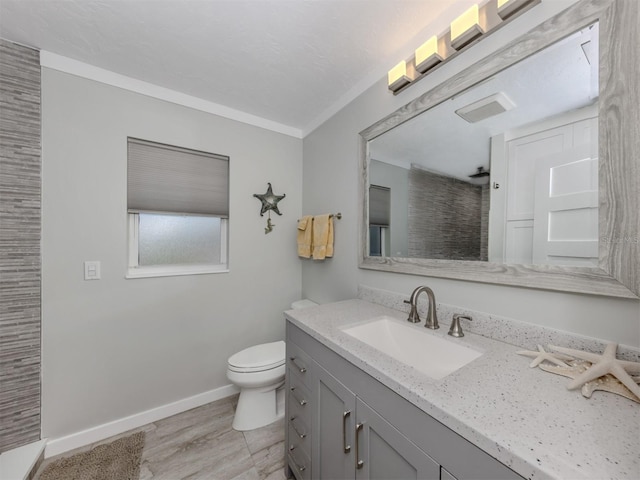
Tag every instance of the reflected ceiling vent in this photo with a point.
(485, 108)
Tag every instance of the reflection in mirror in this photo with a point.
(379, 220)
(505, 171)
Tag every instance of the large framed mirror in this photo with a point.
(520, 170)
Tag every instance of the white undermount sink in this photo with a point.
(414, 346)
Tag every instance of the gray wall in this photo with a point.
(20, 167)
(116, 347)
(334, 147)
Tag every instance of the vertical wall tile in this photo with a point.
(445, 217)
(20, 181)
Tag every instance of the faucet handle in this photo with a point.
(456, 330)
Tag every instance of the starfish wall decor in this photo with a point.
(269, 202)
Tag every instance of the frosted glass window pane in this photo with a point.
(178, 239)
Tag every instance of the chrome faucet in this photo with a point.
(432, 318)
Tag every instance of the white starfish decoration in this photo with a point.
(607, 383)
(603, 364)
(541, 355)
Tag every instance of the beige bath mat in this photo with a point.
(118, 460)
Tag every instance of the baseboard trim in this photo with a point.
(91, 435)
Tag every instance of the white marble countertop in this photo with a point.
(524, 417)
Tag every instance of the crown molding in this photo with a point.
(84, 70)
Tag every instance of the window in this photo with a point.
(379, 220)
(178, 207)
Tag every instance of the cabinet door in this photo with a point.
(333, 429)
(384, 453)
(444, 475)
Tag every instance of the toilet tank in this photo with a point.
(304, 303)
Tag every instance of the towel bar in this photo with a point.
(334, 215)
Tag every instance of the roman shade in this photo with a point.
(379, 206)
(162, 178)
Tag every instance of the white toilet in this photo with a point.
(259, 372)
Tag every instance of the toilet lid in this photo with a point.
(259, 357)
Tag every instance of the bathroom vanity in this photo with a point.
(366, 426)
(354, 412)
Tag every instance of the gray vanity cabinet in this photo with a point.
(360, 429)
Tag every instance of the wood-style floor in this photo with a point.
(201, 445)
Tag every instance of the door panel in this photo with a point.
(386, 453)
(522, 166)
(444, 475)
(519, 242)
(565, 224)
(333, 429)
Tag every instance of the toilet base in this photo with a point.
(258, 407)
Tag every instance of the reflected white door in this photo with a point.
(546, 148)
(565, 223)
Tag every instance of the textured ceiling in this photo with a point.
(288, 61)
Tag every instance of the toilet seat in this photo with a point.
(258, 358)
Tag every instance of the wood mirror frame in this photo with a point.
(618, 271)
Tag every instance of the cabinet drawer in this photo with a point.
(299, 403)
(299, 463)
(298, 364)
(299, 435)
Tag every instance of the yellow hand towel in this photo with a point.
(330, 238)
(322, 237)
(304, 237)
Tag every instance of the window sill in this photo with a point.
(174, 270)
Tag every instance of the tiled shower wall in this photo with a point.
(20, 182)
(484, 222)
(446, 217)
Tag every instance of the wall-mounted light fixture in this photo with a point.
(507, 8)
(474, 24)
(466, 28)
(397, 77)
(428, 55)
